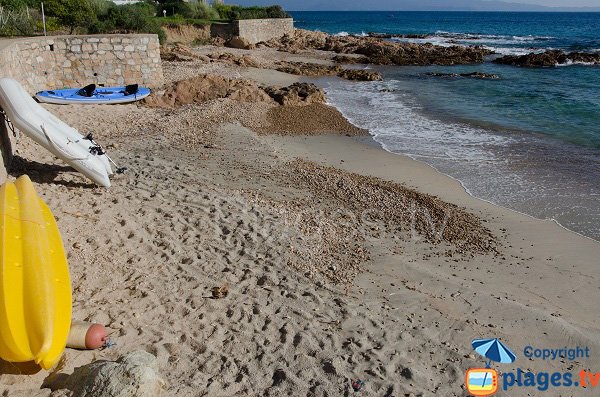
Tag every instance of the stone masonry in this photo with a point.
(41, 63)
(254, 30)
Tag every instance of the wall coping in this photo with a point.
(9, 42)
(263, 19)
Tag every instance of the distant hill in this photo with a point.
(410, 5)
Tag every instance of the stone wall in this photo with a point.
(72, 61)
(254, 30)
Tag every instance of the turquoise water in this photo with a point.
(529, 140)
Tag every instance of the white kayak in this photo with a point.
(61, 140)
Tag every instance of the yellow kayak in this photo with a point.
(35, 286)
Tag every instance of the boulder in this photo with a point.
(308, 69)
(227, 57)
(240, 43)
(297, 94)
(360, 75)
(474, 75)
(350, 59)
(179, 53)
(134, 374)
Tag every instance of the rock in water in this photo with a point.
(360, 75)
(134, 374)
(380, 52)
(475, 75)
(549, 58)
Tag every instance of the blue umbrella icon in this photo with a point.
(493, 350)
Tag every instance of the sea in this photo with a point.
(529, 140)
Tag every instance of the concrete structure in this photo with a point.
(71, 61)
(40, 63)
(254, 30)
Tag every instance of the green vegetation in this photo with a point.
(216, 12)
(128, 18)
(232, 12)
(17, 17)
(71, 13)
(23, 17)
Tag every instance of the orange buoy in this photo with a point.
(86, 336)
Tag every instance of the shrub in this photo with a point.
(138, 17)
(176, 7)
(203, 11)
(236, 12)
(18, 5)
(277, 12)
(16, 22)
(71, 13)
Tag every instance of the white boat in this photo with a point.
(61, 140)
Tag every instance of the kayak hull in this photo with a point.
(102, 95)
(35, 286)
(58, 138)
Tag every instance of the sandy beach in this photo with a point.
(342, 261)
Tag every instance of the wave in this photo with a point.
(500, 44)
(345, 34)
(576, 63)
(481, 36)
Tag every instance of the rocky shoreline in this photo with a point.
(379, 52)
(550, 59)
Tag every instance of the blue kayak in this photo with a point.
(93, 94)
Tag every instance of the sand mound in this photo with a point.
(312, 119)
(208, 87)
(205, 88)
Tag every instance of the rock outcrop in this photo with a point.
(239, 43)
(133, 374)
(378, 51)
(180, 53)
(243, 60)
(308, 69)
(360, 75)
(297, 94)
(316, 69)
(473, 75)
(549, 59)
(350, 59)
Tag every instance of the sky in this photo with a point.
(476, 5)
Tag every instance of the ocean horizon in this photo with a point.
(528, 140)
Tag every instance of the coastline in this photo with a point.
(371, 141)
(319, 294)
